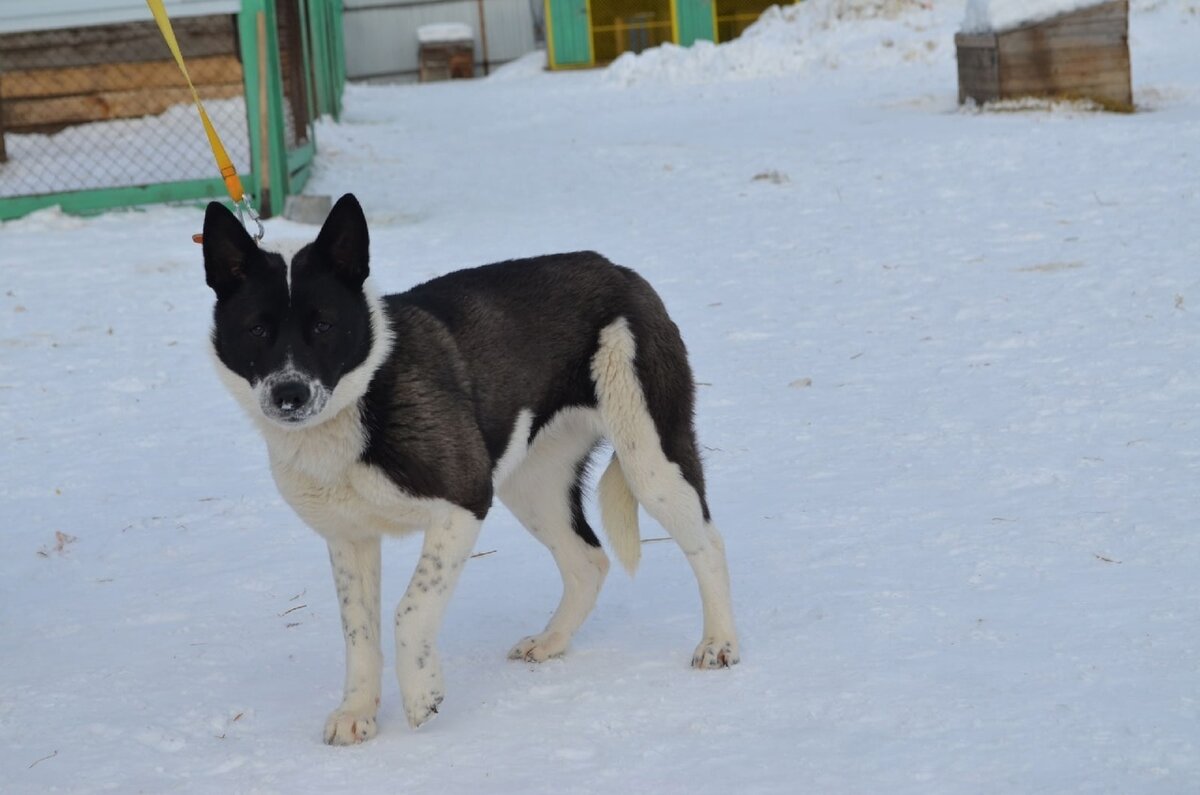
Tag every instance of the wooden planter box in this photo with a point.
(1079, 55)
(447, 61)
(447, 51)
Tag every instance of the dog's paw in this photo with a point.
(422, 708)
(422, 690)
(347, 728)
(714, 653)
(539, 648)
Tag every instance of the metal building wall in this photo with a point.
(381, 35)
(53, 14)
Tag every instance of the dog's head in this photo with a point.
(292, 342)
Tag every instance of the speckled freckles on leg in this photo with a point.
(448, 542)
(356, 575)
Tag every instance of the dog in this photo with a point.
(409, 412)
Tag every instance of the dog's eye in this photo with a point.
(321, 326)
(258, 330)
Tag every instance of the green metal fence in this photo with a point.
(68, 125)
(585, 33)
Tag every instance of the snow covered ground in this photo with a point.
(949, 401)
(996, 15)
(123, 152)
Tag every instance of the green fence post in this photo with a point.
(569, 33)
(338, 55)
(317, 35)
(259, 38)
(313, 73)
(695, 20)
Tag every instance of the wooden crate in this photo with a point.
(447, 60)
(447, 51)
(1083, 54)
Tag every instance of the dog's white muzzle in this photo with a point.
(291, 398)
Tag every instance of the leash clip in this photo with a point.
(244, 208)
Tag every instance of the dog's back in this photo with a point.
(521, 335)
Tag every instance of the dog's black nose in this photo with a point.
(290, 395)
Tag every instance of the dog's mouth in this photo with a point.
(292, 399)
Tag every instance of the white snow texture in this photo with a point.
(947, 390)
(999, 15)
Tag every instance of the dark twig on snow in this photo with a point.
(43, 759)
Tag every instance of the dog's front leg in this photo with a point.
(448, 542)
(356, 574)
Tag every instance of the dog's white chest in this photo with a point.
(319, 473)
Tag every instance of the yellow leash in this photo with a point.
(232, 183)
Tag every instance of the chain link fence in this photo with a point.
(105, 106)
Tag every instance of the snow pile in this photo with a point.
(987, 15)
(816, 35)
(528, 65)
(444, 32)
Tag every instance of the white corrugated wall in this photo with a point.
(381, 35)
(52, 14)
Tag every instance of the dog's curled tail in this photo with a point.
(619, 515)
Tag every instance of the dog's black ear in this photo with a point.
(343, 241)
(228, 250)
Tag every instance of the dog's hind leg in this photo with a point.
(657, 453)
(447, 545)
(545, 494)
(356, 575)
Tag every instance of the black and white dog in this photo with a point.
(408, 412)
